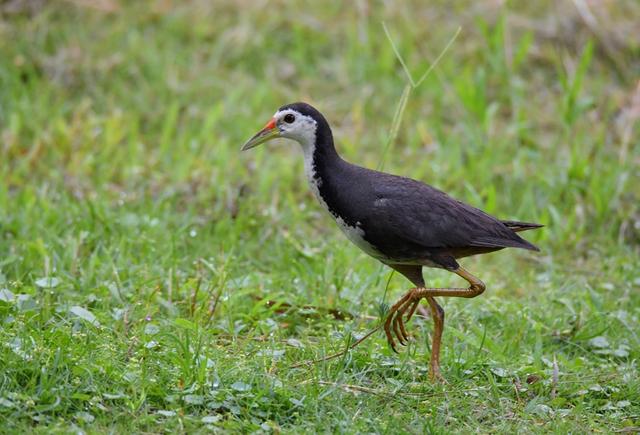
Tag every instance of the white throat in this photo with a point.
(308, 144)
(305, 135)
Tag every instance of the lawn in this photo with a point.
(155, 279)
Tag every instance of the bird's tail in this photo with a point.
(516, 226)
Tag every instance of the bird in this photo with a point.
(403, 223)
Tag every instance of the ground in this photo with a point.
(153, 278)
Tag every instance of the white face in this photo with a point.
(294, 125)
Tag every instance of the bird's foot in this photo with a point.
(399, 313)
(435, 375)
(402, 311)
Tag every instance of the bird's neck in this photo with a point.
(320, 159)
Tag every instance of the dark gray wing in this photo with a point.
(425, 216)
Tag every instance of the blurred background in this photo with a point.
(124, 189)
(534, 105)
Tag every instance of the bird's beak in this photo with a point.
(270, 131)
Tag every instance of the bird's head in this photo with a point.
(297, 121)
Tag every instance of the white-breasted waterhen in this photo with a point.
(401, 222)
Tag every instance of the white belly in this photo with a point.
(356, 235)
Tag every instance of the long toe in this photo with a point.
(396, 328)
(395, 316)
(412, 311)
(387, 331)
(398, 323)
(403, 330)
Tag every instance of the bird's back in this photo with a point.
(406, 219)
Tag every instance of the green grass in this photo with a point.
(155, 279)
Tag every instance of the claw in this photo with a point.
(390, 338)
(396, 329)
(398, 322)
(391, 317)
(387, 332)
(395, 322)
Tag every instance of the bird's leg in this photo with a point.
(410, 302)
(476, 288)
(438, 325)
(410, 305)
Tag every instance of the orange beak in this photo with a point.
(268, 132)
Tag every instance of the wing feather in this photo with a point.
(422, 215)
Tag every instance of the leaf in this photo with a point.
(622, 351)
(113, 396)
(211, 419)
(608, 407)
(295, 343)
(84, 314)
(166, 413)
(193, 399)
(151, 344)
(500, 372)
(151, 329)
(276, 382)
(6, 403)
(6, 295)
(26, 302)
(47, 282)
(599, 342)
(537, 408)
(240, 386)
(215, 405)
(297, 402)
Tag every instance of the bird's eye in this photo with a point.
(289, 118)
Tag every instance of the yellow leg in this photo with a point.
(409, 302)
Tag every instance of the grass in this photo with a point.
(155, 279)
